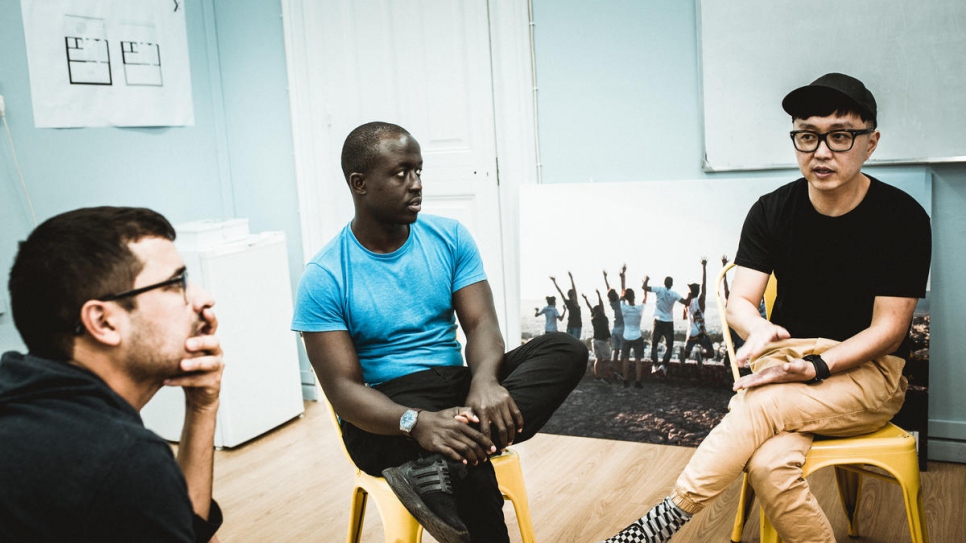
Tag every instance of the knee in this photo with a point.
(573, 355)
(771, 479)
(765, 464)
(568, 352)
(778, 461)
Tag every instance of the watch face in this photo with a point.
(408, 420)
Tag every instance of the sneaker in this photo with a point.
(425, 488)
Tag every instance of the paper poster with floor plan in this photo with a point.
(108, 63)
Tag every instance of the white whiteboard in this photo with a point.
(910, 53)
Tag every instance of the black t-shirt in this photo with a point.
(77, 464)
(601, 328)
(830, 269)
(573, 314)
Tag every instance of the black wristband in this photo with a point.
(821, 368)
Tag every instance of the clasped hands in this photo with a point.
(469, 434)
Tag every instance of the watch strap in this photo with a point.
(821, 368)
(409, 413)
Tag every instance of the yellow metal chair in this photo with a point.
(891, 449)
(398, 525)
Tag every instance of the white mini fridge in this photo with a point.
(261, 386)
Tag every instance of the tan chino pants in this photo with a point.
(769, 429)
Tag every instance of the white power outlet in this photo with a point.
(3, 107)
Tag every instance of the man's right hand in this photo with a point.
(202, 368)
(760, 337)
(448, 432)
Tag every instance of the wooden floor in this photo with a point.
(292, 485)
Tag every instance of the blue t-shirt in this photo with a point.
(551, 314)
(397, 307)
(632, 320)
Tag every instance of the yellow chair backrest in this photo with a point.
(771, 291)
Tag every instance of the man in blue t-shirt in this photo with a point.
(377, 309)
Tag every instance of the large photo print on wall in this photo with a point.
(670, 239)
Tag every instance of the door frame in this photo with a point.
(515, 133)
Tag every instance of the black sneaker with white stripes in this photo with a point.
(657, 526)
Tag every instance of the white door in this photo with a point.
(422, 64)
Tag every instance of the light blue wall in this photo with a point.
(619, 100)
(236, 161)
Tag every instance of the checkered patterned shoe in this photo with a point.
(657, 526)
(632, 534)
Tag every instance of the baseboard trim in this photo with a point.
(310, 392)
(942, 450)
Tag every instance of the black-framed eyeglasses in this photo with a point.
(839, 141)
(180, 279)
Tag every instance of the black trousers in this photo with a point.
(538, 375)
(662, 330)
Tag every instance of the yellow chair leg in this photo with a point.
(509, 475)
(768, 533)
(849, 483)
(908, 479)
(357, 514)
(399, 526)
(745, 500)
(916, 511)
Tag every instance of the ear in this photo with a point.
(101, 320)
(873, 143)
(357, 183)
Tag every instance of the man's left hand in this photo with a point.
(796, 371)
(499, 417)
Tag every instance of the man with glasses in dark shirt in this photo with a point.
(101, 298)
(851, 255)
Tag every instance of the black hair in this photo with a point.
(69, 259)
(612, 295)
(359, 152)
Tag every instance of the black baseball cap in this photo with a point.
(830, 90)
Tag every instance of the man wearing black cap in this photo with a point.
(851, 255)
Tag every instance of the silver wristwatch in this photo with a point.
(408, 420)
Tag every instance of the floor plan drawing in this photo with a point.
(99, 63)
(142, 63)
(88, 52)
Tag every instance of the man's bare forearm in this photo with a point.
(196, 456)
